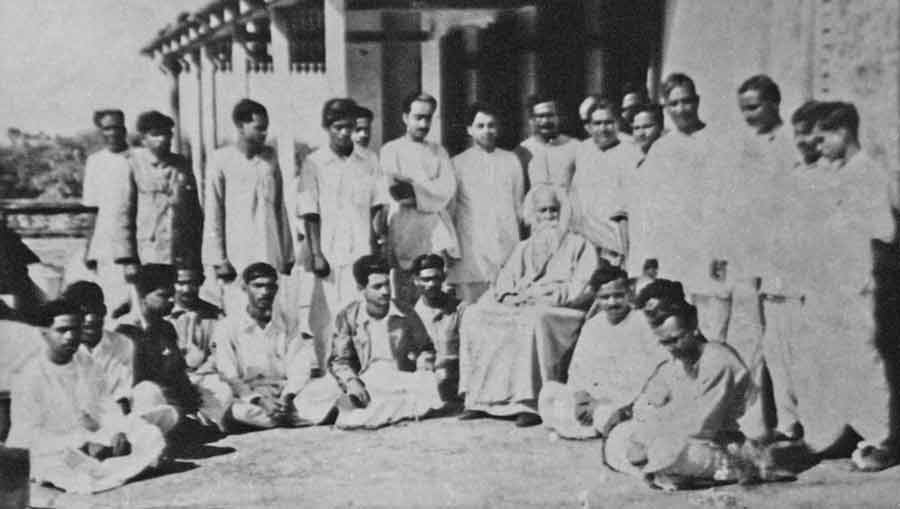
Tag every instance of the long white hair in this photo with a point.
(529, 212)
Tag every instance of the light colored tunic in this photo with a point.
(48, 403)
(829, 260)
(506, 352)
(486, 212)
(667, 207)
(342, 191)
(427, 226)
(105, 186)
(598, 191)
(246, 220)
(248, 356)
(685, 405)
(549, 163)
(113, 356)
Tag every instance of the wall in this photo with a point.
(823, 49)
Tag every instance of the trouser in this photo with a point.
(403, 287)
(4, 416)
(329, 296)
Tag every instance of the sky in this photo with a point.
(66, 58)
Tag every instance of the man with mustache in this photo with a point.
(519, 335)
(382, 361)
(265, 364)
(422, 183)
(548, 155)
(614, 355)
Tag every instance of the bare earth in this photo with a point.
(444, 463)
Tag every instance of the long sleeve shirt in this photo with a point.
(247, 356)
(486, 212)
(246, 219)
(425, 227)
(105, 186)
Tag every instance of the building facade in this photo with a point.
(292, 55)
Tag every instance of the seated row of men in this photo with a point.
(254, 372)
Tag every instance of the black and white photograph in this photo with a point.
(450, 253)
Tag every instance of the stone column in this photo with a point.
(198, 154)
(173, 70)
(336, 46)
(209, 117)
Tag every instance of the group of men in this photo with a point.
(495, 282)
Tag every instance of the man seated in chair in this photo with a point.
(82, 439)
(264, 362)
(523, 329)
(382, 359)
(614, 355)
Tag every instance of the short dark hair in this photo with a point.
(640, 90)
(150, 120)
(245, 109)
(808, 113)
(602, 103)
(766, 86)
(418, 96)
(840, 115)
(655, 110)
(57, 307)
(535, 99)
(99, 114)
(363, 112)
(338, 109)
(427, 261)
(86, 294)
(678, 80)
(367, 265)
(606, 273)
(662, 299)
(480, 107)
(257, 270)
(153, 276)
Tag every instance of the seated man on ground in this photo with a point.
(109, 351)
(157, 357)
(682, 429)
(382, 358)
(440, 312)
(81, 439)
(614, 356)
(264, 363)
(521, 333)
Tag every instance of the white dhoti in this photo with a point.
(508, 353)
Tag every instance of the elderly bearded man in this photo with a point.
(520, 333)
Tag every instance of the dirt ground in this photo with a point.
(444, 463)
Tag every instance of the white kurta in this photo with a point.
(550, 163)
(245, 216)
(666, 207)
(113, 356)
(342, 191)
(105, 185)
(598, 191)
(48, 403)
(486, 212)
(838, 374)
(427, 226)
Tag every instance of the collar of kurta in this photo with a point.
(330, 156)
(560, 139)
(363, 318)
(248, 324)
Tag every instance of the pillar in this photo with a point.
(336, 46)
(208, 108)
(198, 154)
(173, 70)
